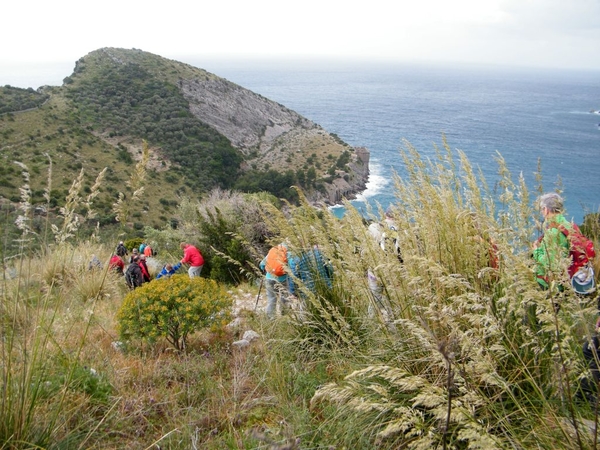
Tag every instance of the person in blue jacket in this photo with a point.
(312, 270)
(168, 270)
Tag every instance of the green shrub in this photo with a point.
(132, 243)
(218, 233)
(77, 378)
(173, 308)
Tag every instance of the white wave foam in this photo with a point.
(376, 184)
(580, 112)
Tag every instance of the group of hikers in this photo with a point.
(289, 275)
(562, 239)
(559, 241)
(137, 273)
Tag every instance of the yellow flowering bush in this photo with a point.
(173, 308)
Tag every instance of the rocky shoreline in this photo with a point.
(271, 135)
(348, 185)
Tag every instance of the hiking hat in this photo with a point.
(583, 280)
(135, 251)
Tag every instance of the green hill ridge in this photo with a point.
(202, 132)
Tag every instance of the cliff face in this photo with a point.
(248, 120)
(273, 136)
(348, 184)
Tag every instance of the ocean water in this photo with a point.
(525, 115)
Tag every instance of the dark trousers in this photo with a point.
(591, 352)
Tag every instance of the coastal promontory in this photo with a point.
(202, 132)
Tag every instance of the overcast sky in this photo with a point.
(539, 33)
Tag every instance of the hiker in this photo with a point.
(121, 250)
(94, 263)
(141, 248)
(148, 252)
(193, 257)
(144, 267)
(134, 254)
(311, 268)
(383, 233)
(560, 240)
(133, 274)
(168, 270)
(274, 267)
(552, 245)
(116, 264)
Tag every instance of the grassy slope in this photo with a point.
(461, 367)
(112, 101)
(49, 131)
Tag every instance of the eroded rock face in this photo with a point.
(248, 120)
(271, 135)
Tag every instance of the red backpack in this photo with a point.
(276, 261)
(581, 248)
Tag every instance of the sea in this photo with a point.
(525, 115)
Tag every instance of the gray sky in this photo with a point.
(534, 33)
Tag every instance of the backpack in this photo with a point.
(131, 277)
(386, 236)
(276, 261)
(121, 250)
(581, 252)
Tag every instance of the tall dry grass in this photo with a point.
(48, 302)
(469, 353)
(478, 355)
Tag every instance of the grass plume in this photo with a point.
(471, 355)
(123, 205)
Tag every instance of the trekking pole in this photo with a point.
(258, 295)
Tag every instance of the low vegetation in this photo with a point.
(15, 99)
(173, 308)
(465, 351)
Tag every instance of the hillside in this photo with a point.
(450, 344)
(202, 132)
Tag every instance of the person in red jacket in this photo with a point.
(144, 267)
(116, 264)
(193, 257)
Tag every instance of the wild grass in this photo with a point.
(49, 393)
(478, 355)
(467, 353)
(124, 205)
